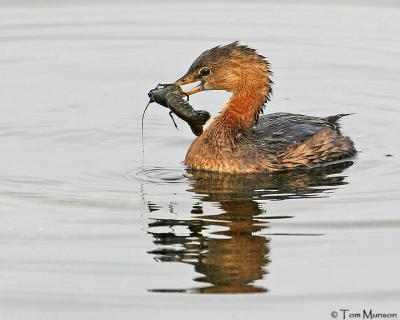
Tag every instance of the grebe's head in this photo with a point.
(232, 67)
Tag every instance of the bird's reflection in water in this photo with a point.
(232, 259)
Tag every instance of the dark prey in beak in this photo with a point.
(170, 96)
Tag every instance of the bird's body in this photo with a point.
(280, 141)
(238, 140)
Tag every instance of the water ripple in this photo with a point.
(158, 175)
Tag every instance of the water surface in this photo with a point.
(88, 233)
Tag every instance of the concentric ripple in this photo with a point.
(158, 175)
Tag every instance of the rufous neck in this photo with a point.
(242, 110)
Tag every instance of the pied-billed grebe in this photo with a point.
(238, 140)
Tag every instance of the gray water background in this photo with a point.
(81, 223)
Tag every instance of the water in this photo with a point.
(87, 234)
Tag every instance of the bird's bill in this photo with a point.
(185, 80)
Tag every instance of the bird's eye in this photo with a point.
(204, 71)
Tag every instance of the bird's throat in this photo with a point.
(241, 112)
